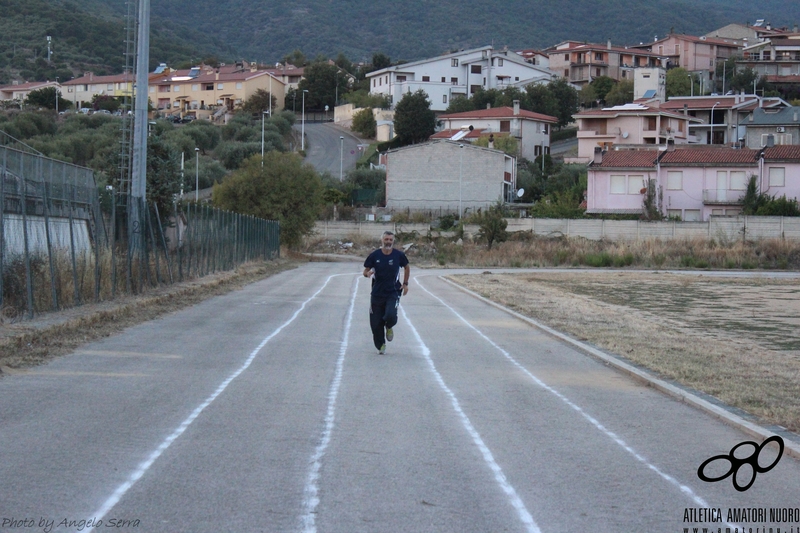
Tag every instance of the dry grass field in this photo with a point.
(736, 339)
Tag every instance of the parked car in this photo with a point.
(103, 112)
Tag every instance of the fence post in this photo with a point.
(46, 210)
(23, 199)
(3, 223)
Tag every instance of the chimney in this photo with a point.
(670, 145)
(609, 44)
(598, 155)
(685, 109)
(491, 140)
(795, 116)
(488, 105)
(516, 107)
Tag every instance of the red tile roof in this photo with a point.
(710, 156)
(628, 159)
(26, 85)
(500, 112)
(783, 153)
(91, 78)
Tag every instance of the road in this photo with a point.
(269, 410)
(329, 146)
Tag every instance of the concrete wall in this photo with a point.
(37, 236)
(720, 228)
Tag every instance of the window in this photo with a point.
(646, 76)
(110, 87)
(675, 181)
(691, 215)
(238, 85)
(598, 56)
(424, 78)
(765, 55)
(403, 78)
(208, 87)
(475, 69)
(474, 88)
(454, 62)
(444, 80)
(505, 125)
(717, 212)
(777, 176)
(516, 78)
(176, 89)
(152, 89)
(454, 81)
(566, 57)
(195, 86)
(566, 73)
(500, 62)
(674, 214)
(444, 98)
(374, 84)
(617, 184)
(220, 86)
(635, 184)
(545, 128)
(597, 72)
(738, 181)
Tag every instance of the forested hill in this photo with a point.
(84, 36)
(267, 30)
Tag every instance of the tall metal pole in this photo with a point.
(303, 126)
(139, 175)
(460, 173)
(262, 134)
(341, 158)
(197, 174)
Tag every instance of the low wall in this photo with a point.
(720, 228)
(37, 236)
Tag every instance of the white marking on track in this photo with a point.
(683, 488)
(499, 476)
(311, 499)
(147, 463)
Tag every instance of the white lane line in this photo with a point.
(683, 488)
(311, 498)
(147, 463)
(499, 476)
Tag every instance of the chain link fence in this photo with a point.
(59, 248)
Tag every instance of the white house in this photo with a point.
(457, 74)
(448, 175)
(532, 130)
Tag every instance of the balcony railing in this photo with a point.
(722, 196)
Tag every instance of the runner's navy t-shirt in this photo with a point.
(387, 270)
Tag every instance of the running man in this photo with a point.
(384, 264)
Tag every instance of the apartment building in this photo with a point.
(580, 63)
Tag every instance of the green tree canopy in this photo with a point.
(283, 189)
(46, 98)
(322, 81)
(567, 98)
(621, 93)
(259, 101)
(364, 123)
(460, 104)
(541, 99)
(679, 83)
(602, 85)
(380, 61)
(413, 119)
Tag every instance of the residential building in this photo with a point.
(20, 91)
(630, 124)
(535, 57)
(689, 183)
(782, 123)
(205, 90)
(448, 175)
(649, 83)
(457, 74)
(698, 55)
(721, 116)
(776, 59)
(81, 91)
(747, 33)
(532, 130)
(580, 62)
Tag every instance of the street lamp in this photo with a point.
(691, 82)
(460, 173)
(303, 125)
(55, 87)
(712, 123)
(197, 174)
(262, 137)
(341, 157)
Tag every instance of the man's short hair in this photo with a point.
(387, 232)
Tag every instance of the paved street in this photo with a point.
(326, 151)
(269, 410)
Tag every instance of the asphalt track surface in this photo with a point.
(330, 148)
(269, 410)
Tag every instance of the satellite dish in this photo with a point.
(520, 193)
(625, 134)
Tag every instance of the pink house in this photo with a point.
(691, 184)
(635, 123)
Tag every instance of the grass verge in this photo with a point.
(51, 335)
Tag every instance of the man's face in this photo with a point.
(388, 241)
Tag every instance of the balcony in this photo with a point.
(722, 197)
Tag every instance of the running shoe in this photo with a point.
(382, 350)
(389, 334)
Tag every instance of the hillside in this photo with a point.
(84, 37)
(413, 29)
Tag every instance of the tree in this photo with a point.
(163, 175)
(323, 82)
(364, 123)
(743, 79)
(283, 189)
(460, 104)
(588, 96)
(679, 83)
(567, 98)
(296, 58)
(259, 102)
(622, 93)
(380, 61)
(413, 119)
(506, 143)
(541, 99)
(492, 225)
(104, 101)
(46, 98)
(602, 85)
